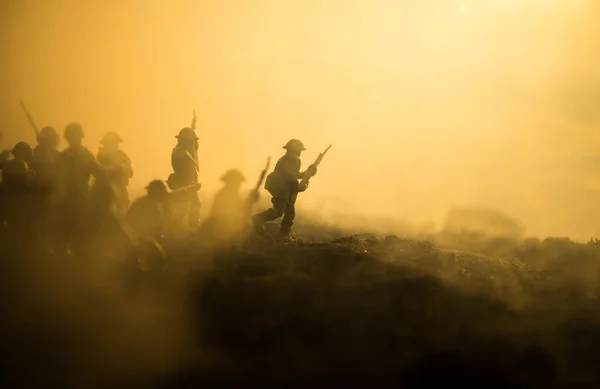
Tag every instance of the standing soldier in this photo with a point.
(17, 172)
(117, 168)
(185, 173)
(4, 154)
(283, 185)
(75, 166)
(45, 155)
(110, 241)
(19, 191)
(229, 208)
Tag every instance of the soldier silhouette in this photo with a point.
(117, 169)
(226, 220)
(45, 156)
(185, 173)
(283, 185)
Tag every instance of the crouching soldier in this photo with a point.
(283, 185)
(147, 217)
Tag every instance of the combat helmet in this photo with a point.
(23, 150)
(111, 137)
(73, 131)
(294, 144)
(157, 188)
(233, 176)
(187, 133)
(49, 134)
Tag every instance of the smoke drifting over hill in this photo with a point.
(429, 104)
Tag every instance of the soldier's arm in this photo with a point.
(289, 169)
(93, 165)
(127, 169)
(180, 161)
(308, 173)
(107, 164)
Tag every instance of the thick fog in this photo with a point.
(428, 104)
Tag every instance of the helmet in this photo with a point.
(73, 131)
(157, 188)
(294, 144)
(23, 150)
(233, 176)
(187, 133)
(48, 133)
(111, 137)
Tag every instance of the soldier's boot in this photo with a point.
(258, 221)
(285, 232)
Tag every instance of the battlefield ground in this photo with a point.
(336, 307)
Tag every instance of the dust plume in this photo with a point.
(429, 104)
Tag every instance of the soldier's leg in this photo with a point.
(194, 210)
(123, 201)
(289, 215)
(275, 212)
(279, 206)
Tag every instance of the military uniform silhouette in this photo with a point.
(117, 169)
(17, 172)
(147, 217)
(19, 191)
(111, 243)
(5, 155)
(46, 155)
(229, 207)
(283, 185)
(75, 167)
(185, 173)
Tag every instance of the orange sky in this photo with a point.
(428, 103)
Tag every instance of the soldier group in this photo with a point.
(70, 202)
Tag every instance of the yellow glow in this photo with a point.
(425, 108)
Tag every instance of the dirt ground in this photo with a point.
(445, 309)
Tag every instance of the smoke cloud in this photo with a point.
(429, 104)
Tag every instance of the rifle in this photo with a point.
(196, 142)
(255, 191)
(30, 120)
(263, 174)
(307, 177)
(193, 187)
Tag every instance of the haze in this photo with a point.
(428, 104)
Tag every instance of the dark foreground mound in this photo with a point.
(353, 311)
(393, 312)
